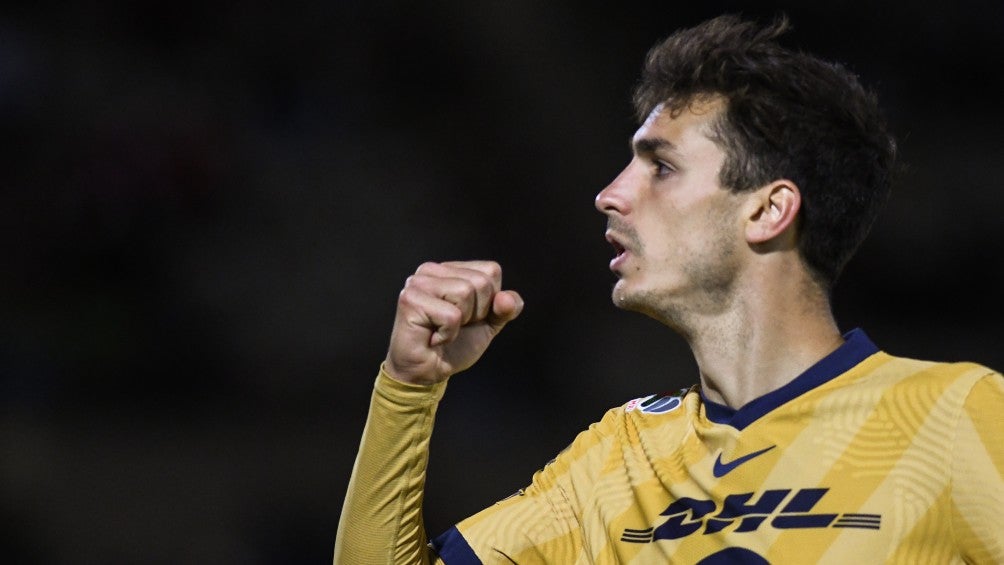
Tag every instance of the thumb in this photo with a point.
(506, 305)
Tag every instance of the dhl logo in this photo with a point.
(779, 508)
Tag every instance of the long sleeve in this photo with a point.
(381, 519)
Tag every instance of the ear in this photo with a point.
(773, 210)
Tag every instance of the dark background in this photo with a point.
(209, 209)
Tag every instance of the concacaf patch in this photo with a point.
(655, 404)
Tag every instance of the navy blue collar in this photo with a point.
(856, 348)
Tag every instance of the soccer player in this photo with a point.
(756, 173)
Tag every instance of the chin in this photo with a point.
(625, 298)
(645, 302)
(618, 293)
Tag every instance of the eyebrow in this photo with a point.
(649, 145)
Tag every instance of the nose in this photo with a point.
(615, 197)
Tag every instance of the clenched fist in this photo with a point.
(447, 315)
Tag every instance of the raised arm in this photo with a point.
(447, 315)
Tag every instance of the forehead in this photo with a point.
(690, 125)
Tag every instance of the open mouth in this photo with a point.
(618, 248)
(617, 263)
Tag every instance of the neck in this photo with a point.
(769, 334)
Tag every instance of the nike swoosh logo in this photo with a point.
(722, 469)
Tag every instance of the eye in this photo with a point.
(663, 169)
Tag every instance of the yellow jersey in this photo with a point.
(864, 458)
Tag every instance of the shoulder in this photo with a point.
(905, 370)
(917, 379)
(661, 410)
(660, 403)
(921, 370)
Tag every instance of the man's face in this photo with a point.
(677, 232)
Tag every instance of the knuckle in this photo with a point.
(481, 281)
(404, 297)
(409, 296)
(426, 267)
(453, 316)
(411, 286)
(470, 290)
(416, 281)
(494, 269)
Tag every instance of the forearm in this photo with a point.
(381, 519)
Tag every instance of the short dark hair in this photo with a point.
(789, 115)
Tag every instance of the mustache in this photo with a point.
(621, 228)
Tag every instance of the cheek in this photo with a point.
(667, 247)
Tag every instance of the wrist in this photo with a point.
(411, 378)
(411, 374)
(405, 393)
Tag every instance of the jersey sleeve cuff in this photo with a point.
(407, 394)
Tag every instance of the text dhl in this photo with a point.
(780, 507)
